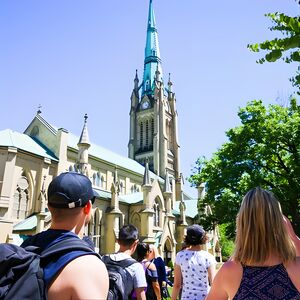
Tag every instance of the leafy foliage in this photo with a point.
(227, 245)
(287, 47)
(263, 151)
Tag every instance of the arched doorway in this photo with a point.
(167, 250)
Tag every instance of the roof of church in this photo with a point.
(10, 138)
(112, 158)
(131, 198)
(29, 223)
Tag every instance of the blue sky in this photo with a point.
(74, 57)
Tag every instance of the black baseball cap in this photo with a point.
(194, 234)
(69, 190)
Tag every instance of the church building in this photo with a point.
(144, 189)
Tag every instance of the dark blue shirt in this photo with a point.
(266, 283)
(161, 269)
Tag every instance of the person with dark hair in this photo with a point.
(70, 198)
(128, 241)
(143, 256)
(194, 268)
(266, 261)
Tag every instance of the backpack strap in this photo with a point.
(150, 262)
(58, 255)
(66, 245)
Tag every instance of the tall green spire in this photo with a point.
(152, 54)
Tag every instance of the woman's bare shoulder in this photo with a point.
(231, 266)
(150, 265)
(294, 266)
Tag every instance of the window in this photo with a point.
(94, 229)
(21, 199)
(98, 179)
(134, 189)
(121, 186)
(147, 133)
(102, 182)
(156, 216)
(141, 134)
(152, 131)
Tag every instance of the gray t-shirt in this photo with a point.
(136, 270)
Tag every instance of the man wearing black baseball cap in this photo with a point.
(70, 198)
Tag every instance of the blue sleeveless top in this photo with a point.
(266, 283)
(45, 239)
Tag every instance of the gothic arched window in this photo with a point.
(121, 186)
(94, 229)
(152, 132)
(21, 199)
(147, 134)
(141, 134)
(94, 178)
(156, 216)
(134, 189)
(102, 182)
(98, 179)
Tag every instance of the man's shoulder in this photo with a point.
(44, 238)
(88, 257)
(90, 277)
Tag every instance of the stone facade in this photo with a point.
(125, 195)
(144, 189)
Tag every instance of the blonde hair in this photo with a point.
(154, 251)
(261, 231)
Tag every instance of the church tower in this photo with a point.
(153, 115)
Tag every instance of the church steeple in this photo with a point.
(83, 147)
(153, 115)
(152, 60)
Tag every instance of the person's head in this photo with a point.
(260, 230)
(128, 237)
(195, 235)
(153, 252)
(70, 194)
(142, 251)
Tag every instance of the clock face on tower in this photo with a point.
(145, 105)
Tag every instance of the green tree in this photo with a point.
(227, 245)
(263, 151)
(287, 47)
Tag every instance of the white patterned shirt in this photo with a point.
(194, 265)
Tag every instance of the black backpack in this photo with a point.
(21, 269)
(119, 277)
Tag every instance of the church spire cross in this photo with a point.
(84, 137)
(39, 109)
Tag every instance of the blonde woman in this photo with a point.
(264, 265)
(153, 289)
